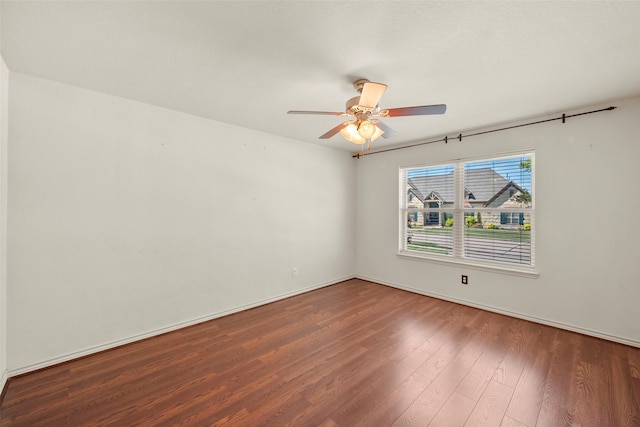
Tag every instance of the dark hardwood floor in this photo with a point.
(355, 353)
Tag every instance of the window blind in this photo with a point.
(480, 210)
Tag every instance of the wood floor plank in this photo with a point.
(624, 402)
(473, 384)
(480, 374)
(635, 384)
(633, 359)
(491, 407)
(590, 383)
(454, 412)
(433, 366)
(470, 353)
(352, 354)
(386, 411)
(528, 394)
(510, 422)
(379, 387)
(521, 345)
(428, 404)
(238, 418)
(510, 370)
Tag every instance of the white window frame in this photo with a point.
(457, 256)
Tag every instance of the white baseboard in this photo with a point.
(3, 380)
(88, 351)
(159, 331)
(572, 328)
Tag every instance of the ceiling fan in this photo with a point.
(365, 125)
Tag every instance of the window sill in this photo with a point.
(528, 272)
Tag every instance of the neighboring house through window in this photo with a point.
(477, 212)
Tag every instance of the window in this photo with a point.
(478, 212)
(512, 218)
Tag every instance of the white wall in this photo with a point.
(125, 219)
(4, 89)
(588, 225)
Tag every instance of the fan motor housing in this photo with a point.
(353, 107)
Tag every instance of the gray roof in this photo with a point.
(483, 184)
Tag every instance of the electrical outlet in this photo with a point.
(294, 272)
(465, 279)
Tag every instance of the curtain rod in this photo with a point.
(446, 139)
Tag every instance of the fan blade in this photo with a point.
(423, 110)
(388, 132)
(327, 113)
(335, 130)
(371, 94)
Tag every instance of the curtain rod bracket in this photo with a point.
(564, 117)
(460, 137)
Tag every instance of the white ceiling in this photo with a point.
(248, 63)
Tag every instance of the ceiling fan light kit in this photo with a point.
(359, 134)
(363, 108)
